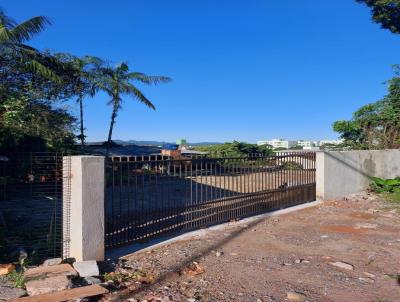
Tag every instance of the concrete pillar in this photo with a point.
(320, 175)
(84, 207)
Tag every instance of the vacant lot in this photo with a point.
(344, 250)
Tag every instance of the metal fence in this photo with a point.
(31, 204)
(152, 197)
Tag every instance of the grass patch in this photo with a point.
(17, 278)
(388, 189)
(393, 200)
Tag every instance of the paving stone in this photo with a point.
(42, 272)
(87, 268)
(47, 285)
(52, 261)
(9, 292)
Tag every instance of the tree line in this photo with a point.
(34, 85)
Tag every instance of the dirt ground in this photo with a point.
(281, 258)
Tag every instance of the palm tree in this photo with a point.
(85, 71)
(13, 37)
(119, 81)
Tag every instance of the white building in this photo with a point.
(278, 143)
(305, 144)
(331, 142)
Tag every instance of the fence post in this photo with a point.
(83, 210)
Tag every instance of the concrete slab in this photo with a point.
(66, 295)
(87, 268)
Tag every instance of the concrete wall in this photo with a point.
(86, 208)
(340, 173)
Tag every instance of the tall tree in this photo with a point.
(386, 13)
(118, 82)
(83, 73)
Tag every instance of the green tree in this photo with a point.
(31, 118)
(280, 149)
(296, 147)
(119, 81)
(385, 12)
(34, 125)
(376, 125)
(235, 149)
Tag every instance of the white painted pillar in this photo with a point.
(320, 175)
(83, 210)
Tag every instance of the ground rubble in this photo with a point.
(341, 250)
(54, 280)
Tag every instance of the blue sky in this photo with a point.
(244, 70)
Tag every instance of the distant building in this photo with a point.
(330, 142)
(278, 143)
(305, 144)
(181, 141)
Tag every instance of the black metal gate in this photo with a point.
(31, 204)
(152, 196)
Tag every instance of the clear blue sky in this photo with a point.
(244, 70)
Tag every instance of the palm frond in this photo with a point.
(43, 70)
(92, 60)
(28, 29)
(5, 36)
(147, 79)
(6, 21)
(130, 89)
(122, 67)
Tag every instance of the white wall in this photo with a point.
(340, 173)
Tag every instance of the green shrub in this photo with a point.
(380, 185)
(292, 165)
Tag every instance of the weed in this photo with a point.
(17, 278)
(389, 189)
(131, 276)
(380, 185)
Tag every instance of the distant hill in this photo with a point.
(153, 143)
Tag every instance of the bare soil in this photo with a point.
(264, 260)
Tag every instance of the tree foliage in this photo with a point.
(34, 84)
(31, 117)
(385, 12)
(376, 125)
(34, 125)
(235, 149)
(13, 38)
(29, 110)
